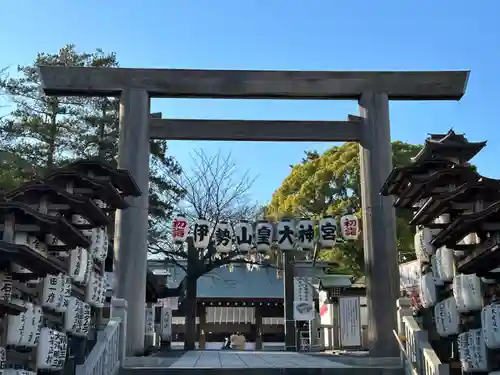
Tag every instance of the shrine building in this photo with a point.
(232, 299)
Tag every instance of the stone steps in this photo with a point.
(258, 363)
(264, 371)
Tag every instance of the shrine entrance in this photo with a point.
(371, 129)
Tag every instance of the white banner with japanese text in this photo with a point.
(303, 304)
(350, 321)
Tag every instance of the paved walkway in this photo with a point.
(233, 359)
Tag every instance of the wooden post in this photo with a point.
(202, 334)
(288, 275)
(258, 328)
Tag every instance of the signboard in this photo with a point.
(170, 302)
(303, 290)
(166, 322)
(303, 310)
(409, 275)
(109, 281)
(303, 305)
(149, 321)
(350, 321)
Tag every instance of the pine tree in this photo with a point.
(164, 193)
(48, 131)
(98, 119)
(39, 129)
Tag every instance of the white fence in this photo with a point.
(108, 353)
(416, 352)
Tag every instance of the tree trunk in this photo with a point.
(102, 128)
(190, 310)
(51, 149)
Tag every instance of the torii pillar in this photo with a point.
(372, 90)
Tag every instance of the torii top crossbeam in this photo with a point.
(254, 84)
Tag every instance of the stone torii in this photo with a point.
(372, 90)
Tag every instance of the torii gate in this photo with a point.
(372, 90)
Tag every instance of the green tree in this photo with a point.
(39, 129)
(13, 171)
(329, 184)
(48, 131)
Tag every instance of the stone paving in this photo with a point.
(212, 359)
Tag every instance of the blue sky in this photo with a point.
(280, 34)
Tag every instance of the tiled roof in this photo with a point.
(240, 283)
(335, 281)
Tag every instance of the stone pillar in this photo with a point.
(288, 275)
(119, 310)
(404, 309)
(335, 330)
(202, 333)
(258, 328)
(131, 225)
(379, 225)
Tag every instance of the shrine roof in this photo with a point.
(98, 189)
(119, 177)
(422, 186)
(55, 225)
(221, 283)
(32, 192)
(399, 175)
(30, 259)
(449, 145)
(240, 283)
(463, 225)
(335, 281)
(484, 258)
(485, 189)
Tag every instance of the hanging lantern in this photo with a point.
(447, 317)
(436, 271)
(428, 292)
(489, 323)
(469, 293)
(327, 232)
(472, 351)
(180, 229)
(243, 232)
(305, 234)
(264, 233)
(286, 235)
(349, 227)
(51, 349)
(445, 261)
(201, 233)
(422, 242)
(223, 235)
(471, 239)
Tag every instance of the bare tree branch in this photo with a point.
(214, 190)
